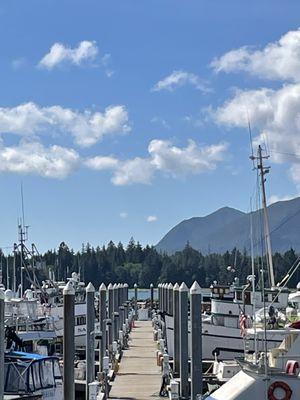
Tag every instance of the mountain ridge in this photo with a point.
(228, 227)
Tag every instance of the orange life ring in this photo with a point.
(279, 384)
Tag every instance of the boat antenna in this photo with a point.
(22, 202)
(263, 170)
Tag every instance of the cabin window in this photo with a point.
(80, 320)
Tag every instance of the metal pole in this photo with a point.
(102, 321)
(110, 313)
(170, 299)
(196, 341)
(176, 328)
(69, 342)
(90, 337)
(135, 301)
(183, 341)
(151, 295)
(2, 340)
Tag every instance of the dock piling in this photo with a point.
(151, 296)
(110, 314)
(102, 321)
(170, 299)
(2, 340)
(196, 341)
(69, 342)
(176, 328)
(135, 301)
(90, 337)
(183, 341)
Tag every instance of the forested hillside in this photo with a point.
(145, 265)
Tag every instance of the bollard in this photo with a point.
(151, 296)
(69, 342)
(170, 299)
(102, 322)
(90, 337)
(176, 328)
(2, 340)
(196, 341)
(135, 301)
(110, 313)
(183, 341)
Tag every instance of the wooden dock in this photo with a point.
(139, 378)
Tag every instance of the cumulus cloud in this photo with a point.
(275, 114)
(193, 159)
(123, 215)
(33, 158)
(164, 157)
(178, 79)
(59, 54)
(279, 60)
(86, 127)
(151, 218)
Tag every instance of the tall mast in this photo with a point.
(263, 171)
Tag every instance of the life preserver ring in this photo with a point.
(279, 384)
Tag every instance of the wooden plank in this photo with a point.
(138, 378)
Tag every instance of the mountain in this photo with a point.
(227, 228)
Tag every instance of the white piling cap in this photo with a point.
(102, 286)
(90, 288)
(170, 286)
(126, 285)
(151, 285)
(176, 286)
(115, 286)
(69, 289)
(183, 288)
(135, 285)
(195, 289)
(110, 287)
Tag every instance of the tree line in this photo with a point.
(144, 265)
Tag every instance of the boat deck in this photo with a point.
(139, 378)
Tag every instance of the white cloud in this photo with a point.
(86, 127)
(152, 218)
(279, 60)
(137, 170)
(192, 159)
(164, 157)
(123, 215)
(178, 79)
(100, 163)
(275, 114)
(33, 158)
(86, 51)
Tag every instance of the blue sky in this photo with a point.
(122, 118)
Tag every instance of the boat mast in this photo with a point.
(263, 171)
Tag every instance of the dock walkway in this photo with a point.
(139, 378)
